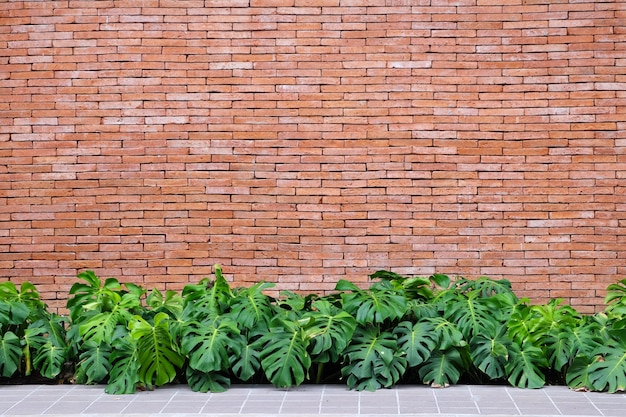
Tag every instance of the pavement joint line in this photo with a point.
(334, 401)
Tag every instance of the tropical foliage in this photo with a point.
(431, 330)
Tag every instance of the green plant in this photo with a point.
(31, 338)
(373, 360)
(601, 365)
(401, 329)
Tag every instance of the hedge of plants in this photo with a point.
(401, 330)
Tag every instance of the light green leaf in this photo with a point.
(171, 302)
(159, 358)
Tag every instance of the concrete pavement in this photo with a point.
(308, 400)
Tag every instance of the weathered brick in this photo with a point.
(304, 141)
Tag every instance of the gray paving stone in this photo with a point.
(309, 401)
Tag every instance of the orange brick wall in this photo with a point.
(304, 141)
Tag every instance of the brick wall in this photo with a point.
(304, 141)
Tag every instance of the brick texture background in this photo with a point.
(304, 141)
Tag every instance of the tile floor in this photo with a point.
(327, 400)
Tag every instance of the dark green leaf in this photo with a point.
(446, 333)
(442, 368)
(245, 362)
(329, 330)
(94, 362)
(608, 372)
(10, 354)
(490, 352)
(284, 356)
(372, 360)
(207, 344)
(470, 313)
(577, 376)
(524, 366)
(199, 381)
(207, 299)
(374, 306)
(124, 375)
(416, 341)
(49, 359)
(250, 307)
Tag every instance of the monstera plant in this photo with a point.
(434, 330)
(32, 340)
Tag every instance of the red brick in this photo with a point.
(370, 136)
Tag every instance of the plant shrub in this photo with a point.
(430, 330)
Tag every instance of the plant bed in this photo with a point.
(401, 330)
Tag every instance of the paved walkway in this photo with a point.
(308, 400)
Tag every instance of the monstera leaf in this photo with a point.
(577, 376)
(49, 359)
(159, 357)
(124, 375)
(284, 356)
(608, 372)
(329, 330)
(490, 352)
(17, 305)
(485, 287)
(207, 299)
(373, 360)
(417, 341)
(446, 333)
(250, 307)
(53, 351)
(52, 326)
(99, 327)
(170, 303)
(207, 344)
(10, 354)
(471, 313)
(520, 325)
(199, 381)
(94, 364)
(413, 288)
(442, 368)
(24, 301)
(373, 306)
(524, 366)
(93, 294)
(245, 362)
(568, 343)
(616, 299)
